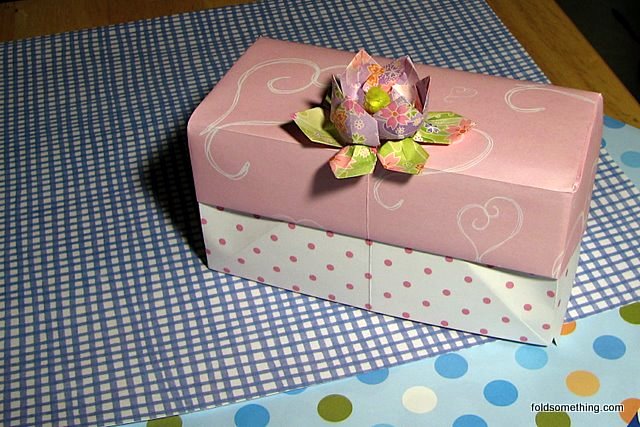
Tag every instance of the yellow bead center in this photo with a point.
(376, 99)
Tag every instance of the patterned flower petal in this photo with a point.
(403, 156)
(356, 73)
(315, 124)
(353, 160)
(443, 127)
(422, 103)
(404, 79)
(398, 120)
(355, 125)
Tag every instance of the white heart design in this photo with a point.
(489, 213)
(460, 92)
(456, 168)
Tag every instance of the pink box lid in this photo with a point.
(513, 193)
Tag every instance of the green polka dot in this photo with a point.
(553, 419)
(631, 313)
(335, 408)
(174, 421)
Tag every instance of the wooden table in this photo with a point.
(541, 26)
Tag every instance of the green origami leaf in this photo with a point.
(442, 127)
(353, 160)
(315, 124)
(405, 156)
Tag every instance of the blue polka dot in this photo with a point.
(382, 425)
(252, 416)
(531, 357)
(451, 365)
(374, 377)
(469, 421)
(612, 123)
(609, 347)
(296, 391)
(631, 158)
(500, 393)
(603, 143)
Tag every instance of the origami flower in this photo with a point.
(379, 112)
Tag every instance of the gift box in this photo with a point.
(484, 238)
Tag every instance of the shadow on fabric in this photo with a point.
(169, 179)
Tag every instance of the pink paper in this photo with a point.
(513, 193)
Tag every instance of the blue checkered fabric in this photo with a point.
(108, 313)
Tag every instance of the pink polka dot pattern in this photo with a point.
(397, 281)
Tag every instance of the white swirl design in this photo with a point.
(521, 88)
(489, 212)
(212, 129)
(578, 224)
(458, 92)
(376, 195)
(458, 168)
(303, 221)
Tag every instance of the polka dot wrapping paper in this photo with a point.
(502, 383)
(109, 314)
(400, 282)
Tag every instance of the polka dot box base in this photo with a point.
(498, 384)
(386, 279)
